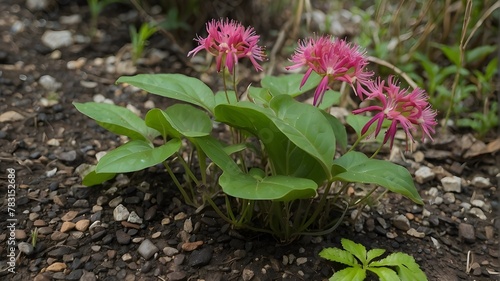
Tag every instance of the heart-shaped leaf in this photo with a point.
(188, 120)
(118, 120)
(157, 119)
(136, 155)
(175, 86)
(357, 167)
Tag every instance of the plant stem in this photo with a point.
(178, 184)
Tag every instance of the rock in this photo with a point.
(11, 116)
(401, 222)
(126, 257)
(73, 19)
(134, 218)
(452, 184)
(169, 251)
(301, 261)
(200, 257)
(68, 156)
(69, 216)
(466, 232)
(122, 237)
(424, 174)
(120, 213)
(188, 225)
(481, 182)
(180, 216)
(25, 248)
(247, 274)
(82, 225)
(57, 39)
(75, 274)
(39, 223)
(20, 234)
(49, 83)
(191, 246)
(58, 236)
(413, 232)
(147, 249)
(433, 191)
(88, 276)
(37, 5)
(150, 213)
(478, 212)
(114, 202)
(56, 267)
(449, 198)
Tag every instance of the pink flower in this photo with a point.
(229, 41)
(333, 59)
(409, 110)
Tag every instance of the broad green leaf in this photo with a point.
(349, 274)
(279, 188)
(338, 129)
(175, 86)
(188, 120)
(306, 126)
(285, 157)
(374, 253)
(289, 84)
(357, 122)
(358, 250)
(384, 273)
(259, 95)
(157, 119)
(339, 255)
(221, 98)
(90, 177)
(136, 155)
(330, 98)
(357, 167)
(452, 53)
(118, 120)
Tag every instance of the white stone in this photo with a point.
(478, 212)
(73, 19)
(57, 39)
(424, 174)
(120, 213)
(301, 261)
(452, 184)
(413, 232)
(37, 5)
(433, 192)
(49, 83)
(481, 182)
(134, 218)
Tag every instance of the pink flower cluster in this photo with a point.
(229, 41)
(333, 59)
(410, 110)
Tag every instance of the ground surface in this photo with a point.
(48, 139)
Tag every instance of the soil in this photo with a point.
(49, 139)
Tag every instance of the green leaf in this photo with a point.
(188, 120)
(259, 95)
(349, 274)
(358, 250)
(357, 167)
(452, 53)
(306, 126)
(289, 84)
(286, 158)
(479, 53)
(118, 120)
(338, 129)
(384, 273)
(357, 122)
(374, 253)
(221, 98)
(330, 98)
(90, 177)
(278, 188)
(339, 255)
(217, 153)
(175, 86)
(136, 155)
(407, 268)
(157, 119)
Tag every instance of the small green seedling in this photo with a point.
(396, 266)
(139, 38)
(34, 236)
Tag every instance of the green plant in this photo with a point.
(396, 266)
(277, 170)
(139, 39)
(34, 237)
